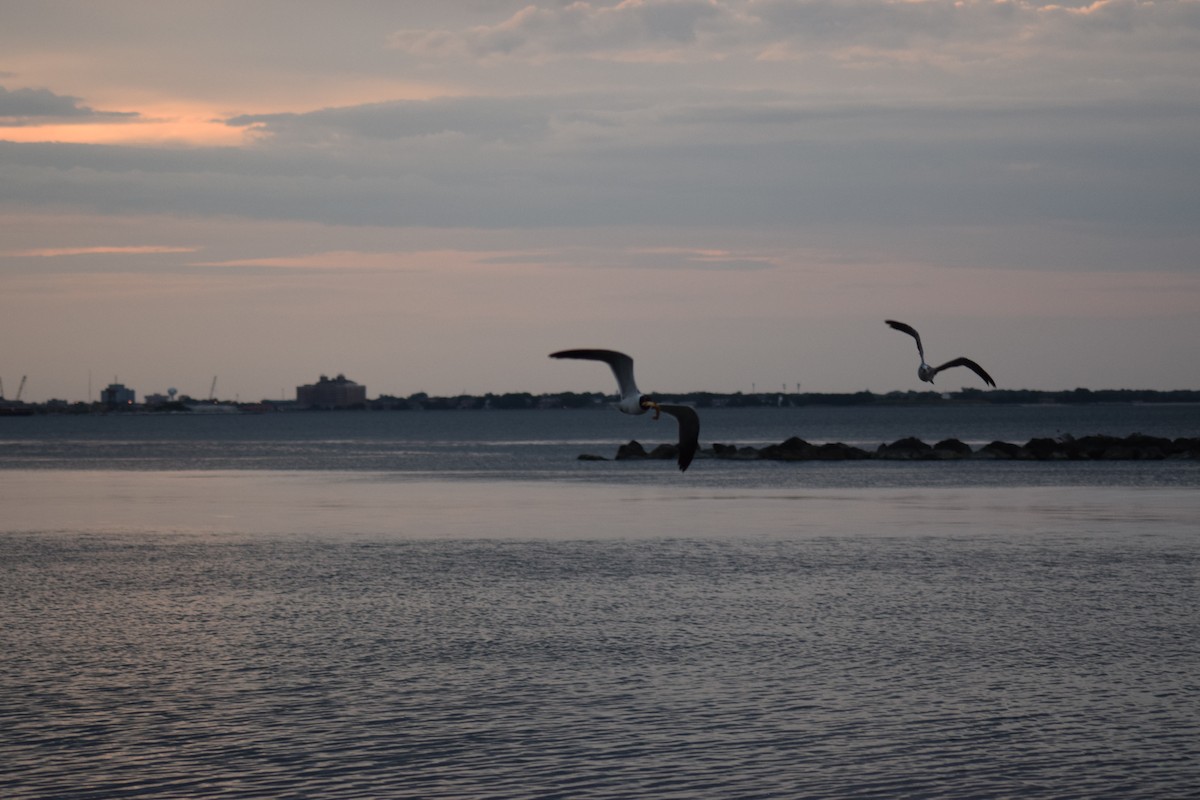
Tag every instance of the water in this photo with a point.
(451, 606)
(524, 445)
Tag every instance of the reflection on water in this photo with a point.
(368, 505)
(521, 443)
(898, 644)
(455, 607)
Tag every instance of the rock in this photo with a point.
(793, 449)
(664, 451)
(774, 452)
(1110, 448)
(998, 450)
(836, 451)
(632, 450)
(1099, 446)
(951, 449)
(735, 453)
(904, 449)
(590, 457)
(1047, 449)
(1152, 448)
(1185, 448)
(724, 450)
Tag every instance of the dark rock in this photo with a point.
(590, 457)
(1099, 446)
(632, 450)
(1044, 449)
(1134, 447)
(1151, 448)
(998, 450)
(951, 449)
(664, 451)
(724, 450)
(1185, 448)
(904, 449)
(793, 449)
(836, 451)
(732, 451)
(1118, 452)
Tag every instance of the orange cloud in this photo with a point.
(181, 130)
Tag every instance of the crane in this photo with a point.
(20, 388)
(212, 390)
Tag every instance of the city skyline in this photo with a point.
(432, 197)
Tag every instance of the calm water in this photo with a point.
(451, 606)
(522, 445)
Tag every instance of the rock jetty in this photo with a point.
(1135, 447)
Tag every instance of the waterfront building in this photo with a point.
(339, 392)
(117, 394)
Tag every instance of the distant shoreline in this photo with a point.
(516, 401)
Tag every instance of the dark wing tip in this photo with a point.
(962, 361)
(689, 433)
(591, 354)
(980, 371)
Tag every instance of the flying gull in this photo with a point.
(632, 401)
(926, 372)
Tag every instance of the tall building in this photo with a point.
(339, 392)
(118, 395)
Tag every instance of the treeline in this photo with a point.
(526, 400)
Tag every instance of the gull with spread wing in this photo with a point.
(632, 401)
(926, 372)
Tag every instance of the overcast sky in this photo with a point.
(432, 196)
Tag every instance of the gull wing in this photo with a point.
(911, 331)
(689, 432)
(969, 364)
(622, 366)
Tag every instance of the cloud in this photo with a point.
(633, 30)
(656, 258)
(704, 30)
(478, 117)
(655, 158)
(55, 252)
(575, 257)
(39, 106)
(334, 260)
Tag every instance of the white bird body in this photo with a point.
(631, 404)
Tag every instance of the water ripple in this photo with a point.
(741, 668)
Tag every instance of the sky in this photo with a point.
(432, 196)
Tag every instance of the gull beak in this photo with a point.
(654, 405)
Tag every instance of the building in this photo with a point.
(339, 392)
(118, 395)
